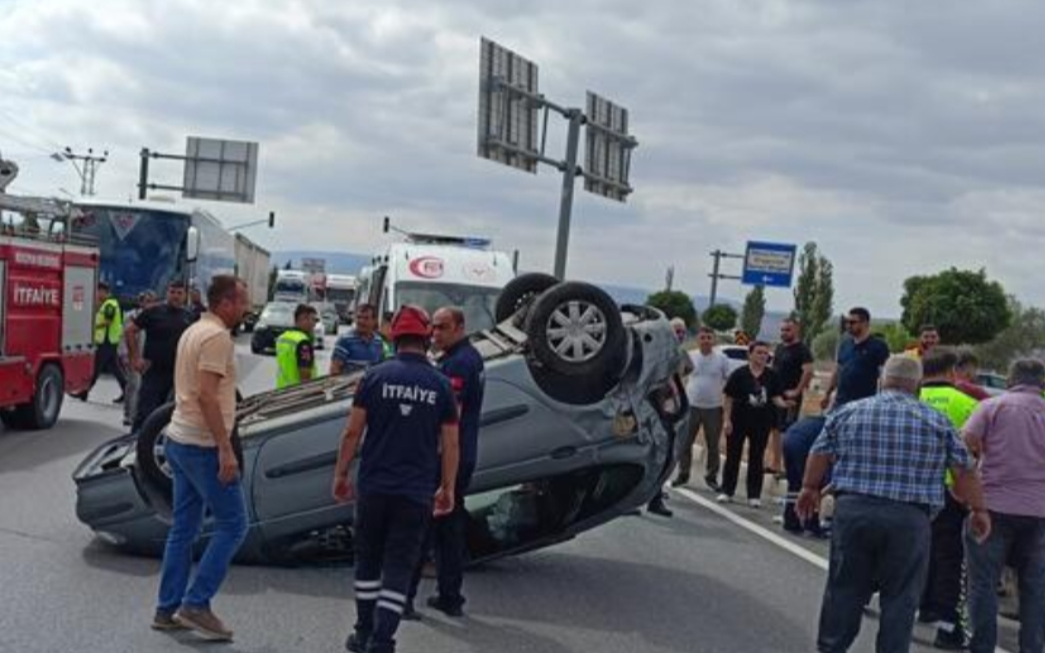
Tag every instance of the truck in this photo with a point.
(48, 284)
(433, 271)
(341, 292)
(145, 245)
(252, 265)
(292, 286)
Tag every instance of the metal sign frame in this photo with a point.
(221, 170)
(768, 264)
(508, 108)
(607, 155)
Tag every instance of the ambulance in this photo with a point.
(434, 271)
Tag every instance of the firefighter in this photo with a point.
(108, 329)
(407, 471)
(295, 359)
(463, 366)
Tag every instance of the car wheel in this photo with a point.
(575, 330)
(520, 292)
(153, 470)
(254, 349)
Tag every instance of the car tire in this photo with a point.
(46, 404)
(574, 331)
(520, 292)
(151, 465)
(254, 349)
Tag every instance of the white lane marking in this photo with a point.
(763, 532)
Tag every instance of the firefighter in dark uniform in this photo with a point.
(407, 471)
(463, 366)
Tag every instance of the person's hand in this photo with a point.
(444, 501)
(727, 428)
(228, 466)
(808, 504)
(140, 365)
(343, 490)
(980, 525)
(790, 394)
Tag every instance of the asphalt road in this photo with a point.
(697, 583)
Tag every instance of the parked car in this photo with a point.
(577, 428)
(276, 318)
(328, 317)
(992, 382)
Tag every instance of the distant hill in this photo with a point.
(351, 263)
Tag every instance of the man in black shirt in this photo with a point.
(793, 364)
(163, 325)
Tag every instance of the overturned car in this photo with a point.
(577, 428)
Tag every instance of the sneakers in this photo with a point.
(447, 609)
(410, 613)
(164, 621)
(712, 484)
(754, 503)
(724, 498)
(679, 481)
(204, 622)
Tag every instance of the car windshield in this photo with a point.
(278, 315)
(477, 302)
(140, 249)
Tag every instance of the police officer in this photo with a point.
(407, 470)
(942, 597)
(108, 329)
(295, 359)
(463, 366)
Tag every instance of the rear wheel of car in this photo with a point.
(575, 333)
(43, 409)
(520, 292)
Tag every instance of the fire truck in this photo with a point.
(47, 304)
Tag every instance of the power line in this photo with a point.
(90, 167)
(39, 134)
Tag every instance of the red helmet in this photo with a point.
(411, 320)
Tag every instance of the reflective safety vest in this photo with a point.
(287, 371)
(388, 350)
(108, 334)
(954, 404)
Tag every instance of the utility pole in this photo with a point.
(89, 170)
(715, 275)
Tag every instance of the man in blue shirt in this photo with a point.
(360, 347)
(408, 462)
(860, 359)
(463, 366)
(889, 453)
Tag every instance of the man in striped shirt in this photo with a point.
(888, 454)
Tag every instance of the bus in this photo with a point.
(146, 245)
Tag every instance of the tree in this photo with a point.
(894, 334)
(964, 306)
(825, 345)
(720, 317)
(674, 303)
(814, 292)
(1024, 336)
(289, 265)
(753, 312)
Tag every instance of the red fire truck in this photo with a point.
(47, 298)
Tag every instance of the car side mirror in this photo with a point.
(192, 244)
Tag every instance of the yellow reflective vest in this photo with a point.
(108, 334)
(287, 371)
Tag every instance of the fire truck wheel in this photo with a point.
(43, 410)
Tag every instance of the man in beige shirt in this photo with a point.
(204, 466)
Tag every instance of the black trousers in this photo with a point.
(943, 588)
(447, 539)
(156, 388)
(106, 360)
(389, 532)
(756, 434)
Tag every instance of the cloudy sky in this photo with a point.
(902, 137)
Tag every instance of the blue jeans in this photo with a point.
(797, 441)
(1020, 542)
(197, 488)
(875, 543)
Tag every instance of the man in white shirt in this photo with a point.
(704, 390)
